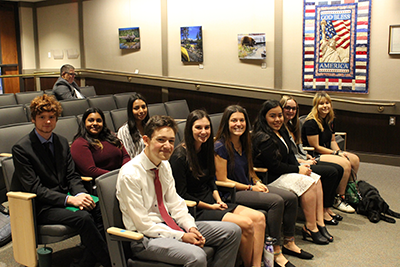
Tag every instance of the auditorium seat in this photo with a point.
(12, 114)
(27, 97)
(180, 135)
(103, 102)
(7, 100)
(10, 134)
(67, 127)
(74, 107)
(156, 109)
(177, 109)
(215, 122)
(122, 99)
(119, 117)
(88, 91)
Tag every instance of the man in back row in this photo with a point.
(44, 166)
(151, 206)
(65, 87)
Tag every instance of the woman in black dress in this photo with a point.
(193, 168)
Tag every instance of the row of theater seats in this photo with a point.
(116, 103)
(26, 97)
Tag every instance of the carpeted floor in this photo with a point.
(358, 242)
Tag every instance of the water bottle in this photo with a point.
(269, 252)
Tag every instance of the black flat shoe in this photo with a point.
(288, 264)
(333, 221)
(337, 217)
(302, 255)
(324, 232)
(316, 237)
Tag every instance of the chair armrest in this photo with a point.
(125, 233)
(227, 187)
(340, 133)
(21, 195)
(190, 203)
(5, 155)
(225, 184)
(308, 148)
(260, 169)
(86, 179)
(23, 230)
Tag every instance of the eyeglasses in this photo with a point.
(290, 108)
(72, 74)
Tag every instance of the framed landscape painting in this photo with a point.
(129, 38)
(252, 46)
(191, 44)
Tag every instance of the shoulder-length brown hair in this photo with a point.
(293, 125)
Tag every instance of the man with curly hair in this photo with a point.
(44, 166)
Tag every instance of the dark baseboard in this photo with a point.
(392, 160)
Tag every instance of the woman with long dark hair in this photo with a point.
(193, 169)
(95, 149)
(234, 163)
(271, 150)
(131, 132)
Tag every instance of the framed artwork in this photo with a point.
(192, 44)
(129, 38)
(252, 46)
(336, 38)
(394, 40)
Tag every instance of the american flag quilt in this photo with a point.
(336, 45)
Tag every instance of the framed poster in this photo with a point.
(336, 45)
(192, 44)
(129, 38)
(394, 40)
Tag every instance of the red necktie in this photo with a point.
(164, 214)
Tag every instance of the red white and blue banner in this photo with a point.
(336, 45)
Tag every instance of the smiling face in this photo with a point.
(161, 144)
(290, 110)
(45, 123)
(324, 107)
(274, 118)
(201, 131)
(139, 110)
(237, 124)
(94, 124)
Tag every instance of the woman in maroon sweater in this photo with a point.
(95, 149)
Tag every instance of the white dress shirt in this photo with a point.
(138, 200)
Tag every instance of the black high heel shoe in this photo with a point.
(332, 221)
(316, 237)
(324, 232)
(337, 217)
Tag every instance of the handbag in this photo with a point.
(352, 194)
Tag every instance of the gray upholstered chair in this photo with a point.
(103, 102)
(119, 117)
(118, 239)
(156, 109)
(27, 97)
(13, 114)
(74, 107)
(177, 109)
(26, 234)
(215, 122)
(67, 127)
(88, 91)
(7, 100)
(122, 99)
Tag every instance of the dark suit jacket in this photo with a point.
(35, 172)
(64, 90)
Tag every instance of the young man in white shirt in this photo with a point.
(142, 211)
